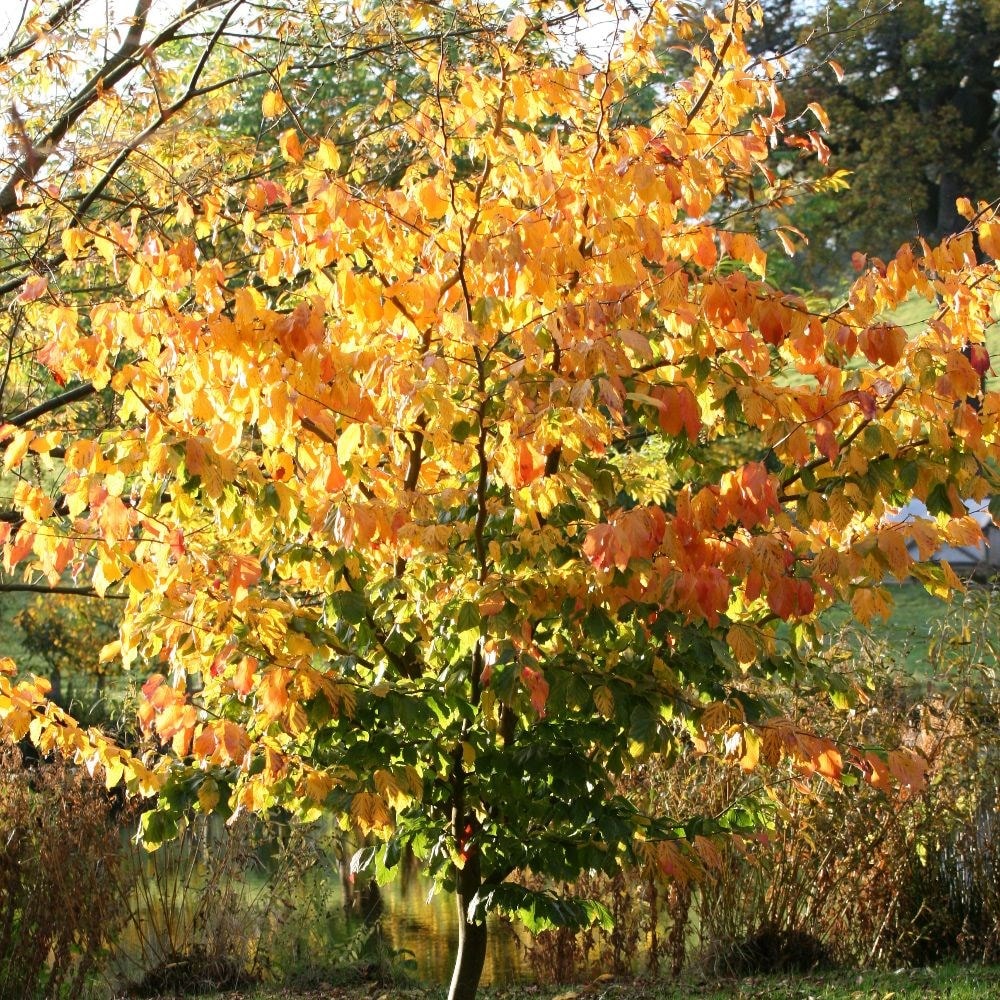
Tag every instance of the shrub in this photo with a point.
(196, 910)
(59, 877)
(855, 876)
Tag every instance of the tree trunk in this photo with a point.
(471, 937)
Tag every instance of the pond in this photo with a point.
(286, 907)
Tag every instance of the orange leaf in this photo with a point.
(290, 146)
(909, 769)
(244, 571)
(538, 688)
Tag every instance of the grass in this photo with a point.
(953, 982)
(917, 618)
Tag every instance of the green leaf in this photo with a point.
(348, 606)
(362, 860)
(539, 910)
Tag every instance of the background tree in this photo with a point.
(912, 97)
(65, 637)
(402, 470)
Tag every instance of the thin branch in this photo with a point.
(710, 84)
(61, 15)
(115, 69)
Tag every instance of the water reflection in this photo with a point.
(288, 904)
(428, 928)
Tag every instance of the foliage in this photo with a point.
(400, 472)
(60, 901)
(911, 92)
(67, 637)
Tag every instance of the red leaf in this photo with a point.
(538, 689)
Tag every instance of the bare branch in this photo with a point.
(44, 588)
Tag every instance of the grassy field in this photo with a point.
(955, 983)
(918, 621)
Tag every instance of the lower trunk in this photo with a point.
(471, 937)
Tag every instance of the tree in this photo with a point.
(68, 639)
(911, 91)
(420, 484)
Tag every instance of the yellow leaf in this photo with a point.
(318, 786)
(925, 533)
(111, 651)
(114, 771)
(751, 750)
(715, 717)
(741, 642)
(74, 241)
(273, 104)
(518, 28)
(431, 200)
(298, 719)
(963, 531)
(604, 701)
(771, 746)
(989, 238)
(348, 443)
(272, 692)
(892, 545)
(328, 156)
(16, 449)
(106, 573)
(744, 247)
(821, 116)
(140, 579)
(388, 787)
(208, 795)
(841, 509)
(369, 812)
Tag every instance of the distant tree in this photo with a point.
(65, 636)
(914, 117)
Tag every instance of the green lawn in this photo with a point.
(923, 627)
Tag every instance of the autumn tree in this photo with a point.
(427, 489)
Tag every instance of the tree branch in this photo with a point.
(55, 403)
(44, 588)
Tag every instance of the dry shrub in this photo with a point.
(59, 877)
(843, 875)
(223, 906)
(197, 910)
(870, 878)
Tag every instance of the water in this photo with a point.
(290, 907)
(426, 925)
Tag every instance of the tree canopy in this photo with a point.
(453, 458)
(911, 93)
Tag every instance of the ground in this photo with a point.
(952, 982)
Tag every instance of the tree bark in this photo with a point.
(471, 955)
